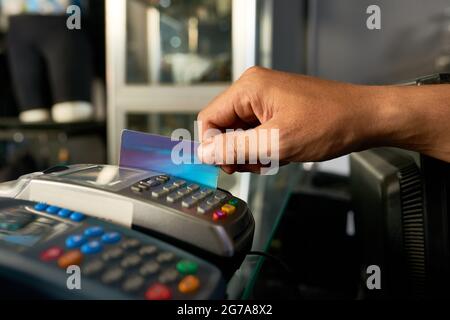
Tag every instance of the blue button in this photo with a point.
(92, 247)
(77, 216)
(75, 241)
(40, 207)
(64, 213)
(93, 231)
(111, 237)
(52, 209)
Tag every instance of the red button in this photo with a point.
(51, 254)
(219, 215)
(158, 292)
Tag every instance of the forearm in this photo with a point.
(318, 119)
(413, 118)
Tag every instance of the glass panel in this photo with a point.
(268, 197)
(163, 124)
(178, 41)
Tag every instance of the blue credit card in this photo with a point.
(162, 154)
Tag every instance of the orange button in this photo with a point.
(228, 208)
(70, 258)
(189, 284)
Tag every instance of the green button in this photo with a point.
(233, 201)
(187, 267)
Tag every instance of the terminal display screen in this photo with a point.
(20, 229)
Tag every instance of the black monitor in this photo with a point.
(401, 204)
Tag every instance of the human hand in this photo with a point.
(316, 119)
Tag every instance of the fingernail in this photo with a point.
(228, 169)
(206, 152)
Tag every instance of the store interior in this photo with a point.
(152, 65)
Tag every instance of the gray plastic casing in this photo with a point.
(118, 204)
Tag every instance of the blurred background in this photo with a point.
(151, 65)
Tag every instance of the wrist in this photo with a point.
(391, 117)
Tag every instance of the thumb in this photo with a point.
(254, 146)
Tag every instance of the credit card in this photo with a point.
(162, 154)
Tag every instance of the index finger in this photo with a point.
(229, 110)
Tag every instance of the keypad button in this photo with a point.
(64, 213)
(219, 215)
(133, 283)
(112, 275)
(189, 284)
(179, 183)
(75, 241)
(168, 276)
(41, 207)
(93, 267)
(137, 189)
(92, 247)
(186, 267)
(228, 209)
(170, 187)
(52, 209)
(193, 187)
(93, 232)
(158, 291)
(199, 195)
(158, 193)
(112, 254)
(130, 243)
(204, 208)
(213, 201)
(70, 258)
(144, 185)
(206, 192)
(111, 237)
(148, 250)
(165, 257)
(174, 197)
(189, 202)
(162, 178)
(131, 261)
(233, 201)
(51, 254)
(77, 216)
(220, 195)
(184, 191)
(149, 268)
(152, 183)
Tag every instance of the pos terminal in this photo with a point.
(209, 219)
(83, 212)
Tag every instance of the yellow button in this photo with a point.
(189, 284)
(70, 258)
(228, 208)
